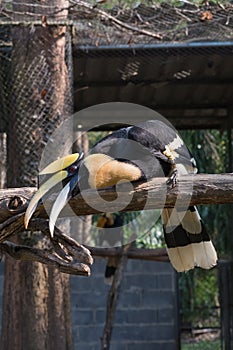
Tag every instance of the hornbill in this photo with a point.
(110, 235)
(137, 152)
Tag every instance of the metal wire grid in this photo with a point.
(151, 24)
(28, 95)
(29, 107)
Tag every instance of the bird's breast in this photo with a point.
(113, 172)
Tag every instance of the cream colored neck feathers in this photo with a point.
(105, 171)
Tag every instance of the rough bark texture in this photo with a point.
(81, 228)
(157, 254)
(113, 297)
(36, 312)
(207, 189)
(2, 160)
(59, 322)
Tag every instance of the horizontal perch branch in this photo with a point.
(190, 190)
(157, 254)
(68, 255)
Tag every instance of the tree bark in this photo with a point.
(206, 189)
(36, 310)
(81, 228)
(157, 254)
(2, 160)
(113, 297)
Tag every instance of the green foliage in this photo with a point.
(199, 298)
(142, 225)
(199, 288)
(210, 149)
(95, 136)
(203, 345)
(152, 237)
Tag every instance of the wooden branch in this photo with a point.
(113, 297)
(207, 189)
(14, 201)
(67, 253)
(154, 194)
(157, 254)
(21, 252)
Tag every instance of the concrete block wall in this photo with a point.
(147, 314)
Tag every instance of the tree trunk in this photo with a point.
(81, 227)
(2, 160)
(36, 304)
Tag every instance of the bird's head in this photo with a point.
(65, 168)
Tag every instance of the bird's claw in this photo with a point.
(172, 180)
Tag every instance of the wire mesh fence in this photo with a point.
(152, 23)
(36, 93)
(28, 36)
(36, 62)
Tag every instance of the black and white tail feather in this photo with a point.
(188, 243)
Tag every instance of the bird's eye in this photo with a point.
(72, 168)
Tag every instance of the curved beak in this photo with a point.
(61, 201)
(63, 168)
(44, 188)
(61, 163)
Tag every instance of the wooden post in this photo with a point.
(113, 297)
(36, 310)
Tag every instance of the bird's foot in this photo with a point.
(172, 180)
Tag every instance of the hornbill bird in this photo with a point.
(110, 235)
(138, 152)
